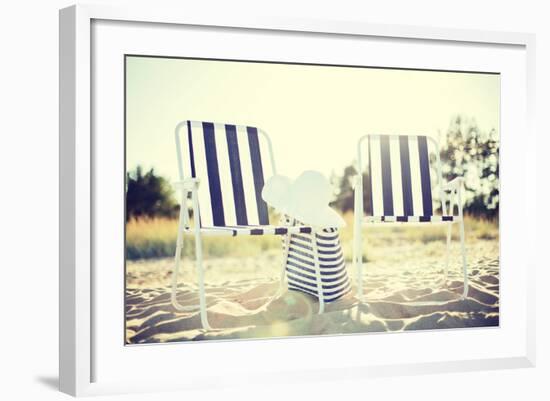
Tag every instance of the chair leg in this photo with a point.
(320, 293)
(464, 265)
(173, 297)
(358, 258)
(177, 262)
(200, 273)
(283, 270)
(354, 253)
(446, 276)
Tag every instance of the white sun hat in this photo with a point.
(306, 199)
(309, 199)
(276, 191)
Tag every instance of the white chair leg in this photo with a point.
(464, 265)
(200, 273)
(358, 212)
(446, 276)
(282, 280)
(358, 258)
(355, 250)
(283, 270)
(320, 293)
(177, 262)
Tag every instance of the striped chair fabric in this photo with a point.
(231, 162)
(300, 265)
(253, 230)
(399, 185)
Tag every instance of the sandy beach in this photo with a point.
(403, 288)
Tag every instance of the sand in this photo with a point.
(403, 290)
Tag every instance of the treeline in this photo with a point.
(149, 195)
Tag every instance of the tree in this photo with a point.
(148, 195)
(344, 200)
(468, 152)
(344, 185)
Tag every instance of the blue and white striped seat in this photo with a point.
(408, 219)
(253, 230)
(228, 161)
(399, 190)
(231, 162)
(300, 265)
(223, 167)
(400, 184)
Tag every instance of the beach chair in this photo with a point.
(223, 167)
(399, 189)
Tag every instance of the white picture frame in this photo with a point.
(78, 316)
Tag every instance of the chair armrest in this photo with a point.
(455, 183)
(356, 181)
(455, 187)
(189, 184)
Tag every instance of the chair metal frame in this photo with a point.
(452, 188)
(190, 185)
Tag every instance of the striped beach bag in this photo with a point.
(300, 264)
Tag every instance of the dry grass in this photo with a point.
(151, 238)
(381, 237)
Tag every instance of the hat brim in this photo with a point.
(324, 217)
(276, 191)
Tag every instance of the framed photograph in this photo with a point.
(273, 199)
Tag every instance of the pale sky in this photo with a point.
(314, 115)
